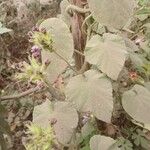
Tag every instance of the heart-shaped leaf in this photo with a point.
(62, 45)
(91, 92)
(109, 56)
(99, 142)
(112, 13)
(64, 117)
(136, 103)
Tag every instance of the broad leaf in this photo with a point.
(62, 44)
(109, 56)
(64, 117)
(136, 103)
(112, 13)
(99, 142)
(91, 92)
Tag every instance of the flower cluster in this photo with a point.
(39, 138)
(41, 38)
(32, 71)
(36, 52)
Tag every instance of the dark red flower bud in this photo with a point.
(133, 75)
(47, 62)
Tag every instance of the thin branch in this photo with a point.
(84, 23)
(66, 62)
(54, 92)
(23, 94)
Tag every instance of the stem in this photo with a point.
(23, 94)
(84, 23)
(66, 62)
(55, 93)
(79, 37)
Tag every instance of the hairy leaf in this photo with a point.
(62, 45)
(63, 116)
(99, 142)
(109, 56)
(136, 103)
(112, 13)
(91, 92)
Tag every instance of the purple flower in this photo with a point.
(35, 29)
(35, 49)
(36, 54)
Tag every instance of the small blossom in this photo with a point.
(35, 48)
(133, 75)
(36, 55)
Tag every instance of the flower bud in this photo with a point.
(47, 62)
(30, 34)
(43, 30)
(35, 48)
(36, 55)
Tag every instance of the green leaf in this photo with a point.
(109, 56)
(112, 13)
(99, 142)
(64, 116)
(145, 10)
(91, 92)
(139, 138)
(124, 144)
(136, 103)
(62, 44)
